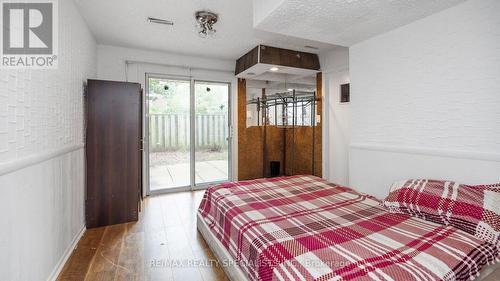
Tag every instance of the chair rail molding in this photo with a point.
(461, 154)
(21, 163)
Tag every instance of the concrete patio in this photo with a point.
(177, 175)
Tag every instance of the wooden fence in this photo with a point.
(171, 131)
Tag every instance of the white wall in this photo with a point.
(41, 156)
(336, 117)
(426, 100)
(112, 65)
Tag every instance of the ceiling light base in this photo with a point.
(205, 22)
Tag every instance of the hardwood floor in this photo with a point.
(166, 232)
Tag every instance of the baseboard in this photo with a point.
(60, 265)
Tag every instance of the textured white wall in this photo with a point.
(41, 155)
(336, 117)
(428, 88)
(43, 215)
(42, 109)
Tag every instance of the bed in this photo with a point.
(305, 228)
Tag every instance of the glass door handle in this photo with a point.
(141, 145)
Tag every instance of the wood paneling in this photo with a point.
(318, 129)
(299, 152)
(113, 152)
(285, 57)
(274, 148)
(277, 56)
(255, 153)
(250, 140)
(247, 60)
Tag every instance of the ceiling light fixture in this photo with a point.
(160, 21)
(274, 68)
(205, 22)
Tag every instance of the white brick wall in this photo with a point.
(41, 113)
(433, 83)
(425, 100)
(43, 109)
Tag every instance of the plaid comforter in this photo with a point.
(304, 228)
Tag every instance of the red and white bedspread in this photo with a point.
(304, 228)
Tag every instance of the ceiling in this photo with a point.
(123, 23)
(243, 24)
(344, 22)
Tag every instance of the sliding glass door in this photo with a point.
(189, 133)
(169, 133)
(211, 132)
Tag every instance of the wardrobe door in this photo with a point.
(113, 152)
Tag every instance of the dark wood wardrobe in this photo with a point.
(113, 152)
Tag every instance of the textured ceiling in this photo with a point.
(342, 22)
(123, 23)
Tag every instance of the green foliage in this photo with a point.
(168, 97)
(213, 101)
(172, 97)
